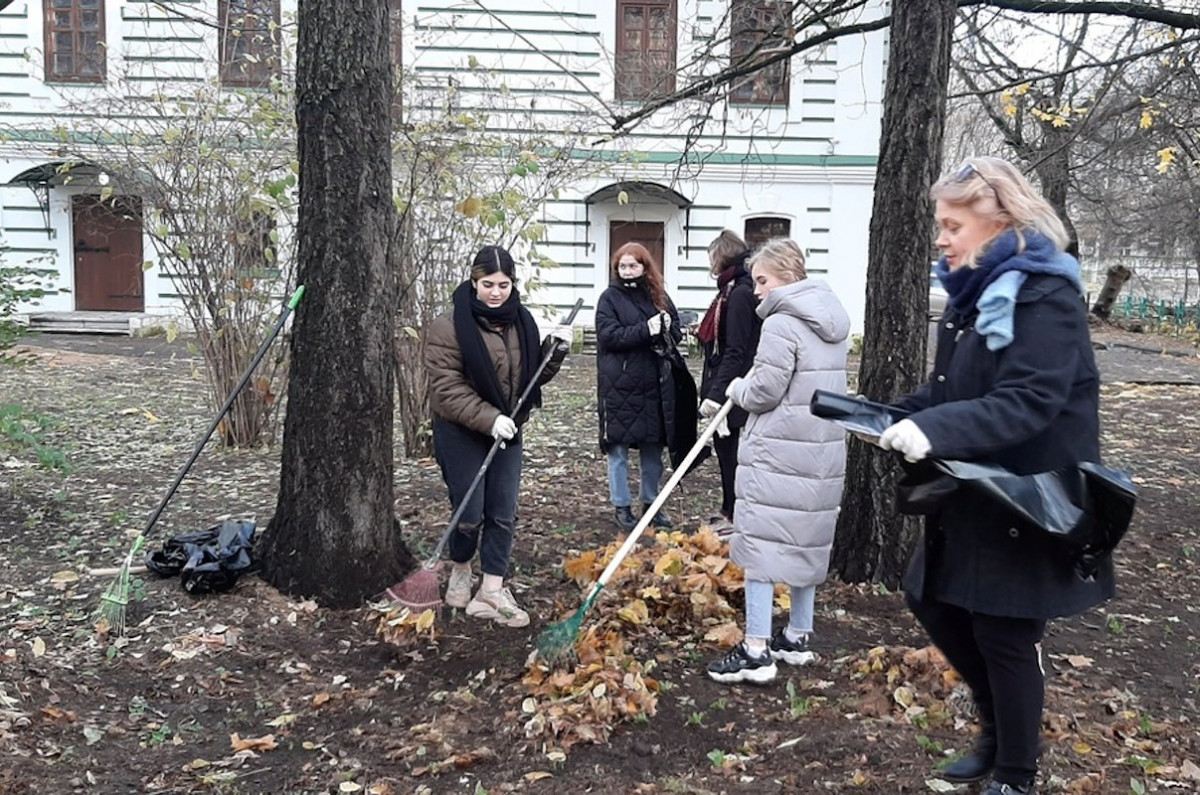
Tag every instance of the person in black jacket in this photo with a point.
(1014, 383)
(635, 323)
(728, 335)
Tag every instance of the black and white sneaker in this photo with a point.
(792, 652)
(739, 665)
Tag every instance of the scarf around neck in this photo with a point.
(478, 366)
(991, 287)
(727, 279)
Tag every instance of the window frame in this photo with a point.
(739, 11)
(235, 71)
(49, 31)
(756, 239)
(622, 64)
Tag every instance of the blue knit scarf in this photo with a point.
(991, 286)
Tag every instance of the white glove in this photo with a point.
(906, 437)
(563, 333)
(655, 324)
(666, 321)
(732, 384)
(709, 408)
(504, 428)
(723, 427)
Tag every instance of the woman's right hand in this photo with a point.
(655, 325)
(503, 428)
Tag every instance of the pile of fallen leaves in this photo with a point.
(899, 681)
(402, 626)
(606, 686)
(679, 586)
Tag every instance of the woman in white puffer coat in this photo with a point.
(790, 464)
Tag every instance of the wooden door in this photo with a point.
(108, 253)
(648, 233)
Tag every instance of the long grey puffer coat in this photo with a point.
(790, 463)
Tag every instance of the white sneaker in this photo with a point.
(499, 606)
(458, 590)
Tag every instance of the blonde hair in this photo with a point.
(781, 255)
(723, 249)
(994, 189)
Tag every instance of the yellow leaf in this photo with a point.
(580, 568)
(470, 206)
(425, 621)
(623, 198)
(1082, 748)
(64, 577)
(282, 720)
(39, 647)
(725, 635)
(538, 775)
(651, 592)
(635, 612)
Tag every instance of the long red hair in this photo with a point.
(654, 277)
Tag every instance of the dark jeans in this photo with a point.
(998, 657)
(727, 450)
(487, 523)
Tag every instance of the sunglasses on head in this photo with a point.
(968, 170)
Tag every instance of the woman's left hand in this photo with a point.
(906, 437)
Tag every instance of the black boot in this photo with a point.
(660, 519)
(977, 763)
(996, 788)
(623, 518)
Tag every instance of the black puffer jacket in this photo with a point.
(730, 355)
(636, 390)
(1029, 407)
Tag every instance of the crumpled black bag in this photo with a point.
(207, 561)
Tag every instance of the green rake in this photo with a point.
(559, 637)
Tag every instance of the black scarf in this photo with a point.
(478, 366)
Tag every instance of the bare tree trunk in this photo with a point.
(873, 542)
(412, 386)
(333, 534)
(1054, 172)
(1113, 282)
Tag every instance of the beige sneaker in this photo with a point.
(458, 590)
(499, 606)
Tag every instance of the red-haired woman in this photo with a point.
(636, 329)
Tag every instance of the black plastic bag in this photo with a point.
(207, 561)
(1087, 507)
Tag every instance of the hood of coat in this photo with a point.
(813, 302)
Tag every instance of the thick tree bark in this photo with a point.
(333, 535)
(873, 541)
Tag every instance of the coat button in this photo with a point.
(949, 325)
(1013, 532)
(941, 378)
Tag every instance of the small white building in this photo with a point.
(791, 150)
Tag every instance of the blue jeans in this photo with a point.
(651, 464)
(759, 598)
(488, 521)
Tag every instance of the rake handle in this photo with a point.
(204, 437)
(491, 454)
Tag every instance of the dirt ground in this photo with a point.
(253, 692)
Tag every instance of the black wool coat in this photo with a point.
(731, 354)
(1030, 407)
(634, 381)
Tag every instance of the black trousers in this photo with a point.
(488, 522)
(727, 450)
(999, 659)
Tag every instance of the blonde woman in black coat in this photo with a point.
(1014, 383)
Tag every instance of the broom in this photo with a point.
(560, 636)
(421, 590)
(115, 599)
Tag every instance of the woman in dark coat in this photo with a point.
(1014, 383)
(728, 335)
(636, 328)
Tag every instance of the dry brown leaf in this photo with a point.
(264, 743)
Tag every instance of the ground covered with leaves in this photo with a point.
(253, 691)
